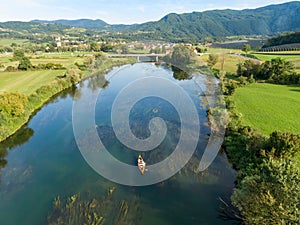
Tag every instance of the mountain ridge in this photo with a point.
(268, 20)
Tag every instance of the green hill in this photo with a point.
(285, 39)
(269, 20)
(83, 23)
(31, 27)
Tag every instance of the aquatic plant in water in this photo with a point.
(85, 209)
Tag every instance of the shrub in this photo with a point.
(10, 69)
(13, 104)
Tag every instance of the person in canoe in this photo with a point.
(141, 164)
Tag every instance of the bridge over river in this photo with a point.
(138, 57)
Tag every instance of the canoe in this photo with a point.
(141, 164)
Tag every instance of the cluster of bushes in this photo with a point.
(201, 50)
(25, 64)
(13, 104)
(49, 66)
(82, 67)
(228, 86)
(268, 178)
(276, 71)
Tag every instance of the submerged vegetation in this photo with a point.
(95, 210)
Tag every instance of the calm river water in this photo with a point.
(44, 162)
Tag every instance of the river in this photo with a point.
(44, 162)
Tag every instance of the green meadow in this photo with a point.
(227, 62)
(27, 82)
(269, 107)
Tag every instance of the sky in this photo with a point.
(115, 11)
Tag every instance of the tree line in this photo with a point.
(276, 70)
(283, 39)
(25, 63)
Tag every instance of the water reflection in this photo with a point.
(97, 81)
(179, 74)
(19, 138)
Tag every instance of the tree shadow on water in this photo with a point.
(19, 138)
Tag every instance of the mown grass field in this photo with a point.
(269, 107)
(27, 82)
(223, 50)
(65, 61)
(273, 56)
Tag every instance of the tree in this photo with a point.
(74, 74)
(212, 60)
(276, 68)
(248, 68)
(94, 47)
(246, 48)
(24, 63)
(107, 48)
(18, 54)
(182, 57)
(124, 49)
(283, 145)
(271, 196)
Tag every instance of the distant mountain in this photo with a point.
(269, 20)
(82, 23)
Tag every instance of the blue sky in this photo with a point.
(115, 11)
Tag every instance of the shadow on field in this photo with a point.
(297, 90)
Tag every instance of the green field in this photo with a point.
(65, 61)
(230, 61)
(9, 41)
(26, 82)
(223, 50)
(272, 56)
(269, 107)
